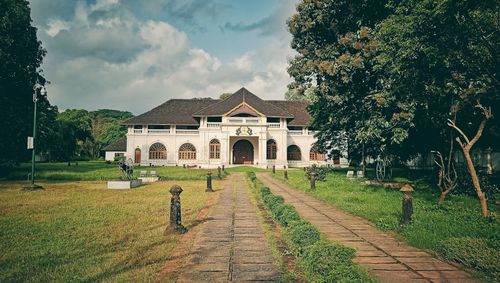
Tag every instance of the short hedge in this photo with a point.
(321, 260)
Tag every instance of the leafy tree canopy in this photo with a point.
(21, 55)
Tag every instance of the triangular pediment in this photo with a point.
(243, 96)
(243, 109)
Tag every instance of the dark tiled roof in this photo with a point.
(243, 95)
(184, 111)
(297, 108)
(119, 145)
(174, 111)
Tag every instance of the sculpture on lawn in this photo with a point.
(127, 168)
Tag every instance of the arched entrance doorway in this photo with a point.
(137, 156)
(243, 152)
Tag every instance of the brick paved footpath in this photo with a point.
(232, 246)
(386, 258)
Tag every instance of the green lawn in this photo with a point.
(433, 228)
(81, 231)
(96, 170)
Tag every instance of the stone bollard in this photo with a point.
(407, 204)
(219, 173)
(175, 225)
(274, 169)
(285, 172)
(209, 182)
(305, 169)
(223, 168)
(313, 181)
(183, 165)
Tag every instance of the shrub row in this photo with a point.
(321, 260)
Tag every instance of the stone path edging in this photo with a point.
(232, 246)
(386, 258)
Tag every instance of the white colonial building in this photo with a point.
(241, 129)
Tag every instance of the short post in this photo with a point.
(313, 181)
(274, 169)
(223, 168)
(175, 225)
(219, 173)
(183, 165)
(305, 169)
(407, 204)
(209, 182)
(285, 172)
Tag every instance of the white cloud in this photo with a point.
(105, 57)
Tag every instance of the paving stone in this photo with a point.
(444, 275)
(431, 266)
(272, 276)
(395, 276)
(374, 259)
(231, 246)
(385, 266)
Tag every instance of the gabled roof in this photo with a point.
(243, 96)
(297, 108)
(119, 145)
(186, 111)
(174, 111)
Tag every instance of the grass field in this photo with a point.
(433, 228)
(96, 170)
(81, 231)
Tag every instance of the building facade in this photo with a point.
(241, 129)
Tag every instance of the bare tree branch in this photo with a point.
(454, 126)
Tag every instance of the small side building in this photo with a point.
(116, 149)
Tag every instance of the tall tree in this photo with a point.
(335, 63)
(21, 55)
(75, 133)
(442, 56)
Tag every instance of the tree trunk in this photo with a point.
(475, 182)
(441, 198)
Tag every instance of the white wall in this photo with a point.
(110, 155)
(227, 137)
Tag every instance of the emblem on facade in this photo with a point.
(244, 131)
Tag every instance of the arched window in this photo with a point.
(271, 149)
(293, 153)
(157, 151)
(187, 151)
(214, 149)
(315, 155)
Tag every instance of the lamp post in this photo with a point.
(36, 88)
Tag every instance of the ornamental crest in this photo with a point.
(244, 131)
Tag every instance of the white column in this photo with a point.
(262, 149)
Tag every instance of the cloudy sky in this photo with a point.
(133, 55)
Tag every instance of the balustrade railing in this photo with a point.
(295, 132)
(158, 131)
(213, 125)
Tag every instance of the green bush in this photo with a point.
(479, 254)
(285, 214)
(265, 191)
(321, 172)
(489, 184)
(327, 262)
(252, 176)
(272, 200)
(301, 235)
